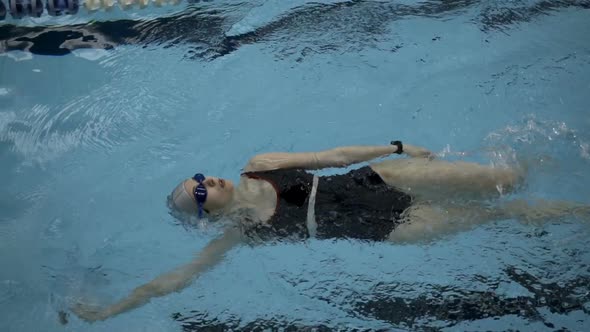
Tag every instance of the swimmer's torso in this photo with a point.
(358, 204)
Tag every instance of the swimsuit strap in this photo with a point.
(312, 225)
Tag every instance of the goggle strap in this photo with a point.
(200, 192)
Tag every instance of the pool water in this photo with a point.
(93, 140)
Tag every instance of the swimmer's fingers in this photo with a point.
(62, 316)
(88, 312)
(418, 152)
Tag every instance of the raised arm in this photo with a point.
(173, 281)
(337, 157)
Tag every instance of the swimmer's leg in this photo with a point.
(423, 222)
(439, 179)
(539, 211)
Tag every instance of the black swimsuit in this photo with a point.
(357, 205)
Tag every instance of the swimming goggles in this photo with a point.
(200, 192)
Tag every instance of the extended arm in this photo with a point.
(173, 281)
(337, 157)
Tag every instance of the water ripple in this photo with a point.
(437, 306)
(346, 26)
(99, 121)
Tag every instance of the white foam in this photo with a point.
(90, 54)
(19, 55)
(5, 92)
(269, 12)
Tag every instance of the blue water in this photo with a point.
(92, 142)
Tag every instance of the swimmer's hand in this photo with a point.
(418, 152)
(89, 312)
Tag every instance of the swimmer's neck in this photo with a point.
(250, 200)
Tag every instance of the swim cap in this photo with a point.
(182, 200)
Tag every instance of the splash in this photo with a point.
(534, 139)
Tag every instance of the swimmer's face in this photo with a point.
(219, 192)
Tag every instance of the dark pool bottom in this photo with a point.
(448, 306)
